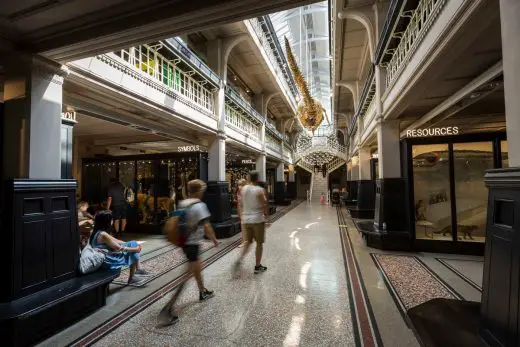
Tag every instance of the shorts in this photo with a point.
(119, 212)
(191, 252)
(255, 231)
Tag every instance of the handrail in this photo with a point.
(422, 17)
(284, 66)
(190, 58)
(147, 60)
(242, 122)
(392, 18)
(366, 88)
(256, 25)
(273, 130)
(240, 101)
(273, 144)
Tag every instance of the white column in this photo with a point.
(292, 176)
(280, 173)
(261, 167)
(388, 150)
(354, 174)
(509, 16)
(349, 171)
(32, 122)
(364, 163)
(217, 160)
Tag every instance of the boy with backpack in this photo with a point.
(186, 229)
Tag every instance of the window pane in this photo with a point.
(145, 191)
(431, 176)
(471, 160)
(96, 180)
(505, 153)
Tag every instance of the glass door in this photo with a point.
(470, 162)
(432, 194)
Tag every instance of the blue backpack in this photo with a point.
(176, 228)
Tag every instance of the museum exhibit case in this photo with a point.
(158, 181)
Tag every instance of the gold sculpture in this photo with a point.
(309, 111)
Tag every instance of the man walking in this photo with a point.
(198, 222)
(254, 210)
(117, 200)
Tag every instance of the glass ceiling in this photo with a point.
(307, 29)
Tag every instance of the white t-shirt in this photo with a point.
(196, 216)
(252, 208)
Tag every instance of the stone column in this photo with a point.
(364, 207)
(261, 166)
(38, 207)
(32, 122)
(217, 194)
(261, 161)
(279, 188)
(291, 184)
(500, 295)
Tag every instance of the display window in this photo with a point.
(156, 182)
(449, 195)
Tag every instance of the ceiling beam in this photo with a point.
(486, 77)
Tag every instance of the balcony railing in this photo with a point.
(272, 129)
(189, 57)
(246, 106)
(272, 143)
(275, 55)
(243, 123)
(421, 21)
(147, 60)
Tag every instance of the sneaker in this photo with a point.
(166, 317)
(205, 294)
(135, 280)
(142, 272)
(260, 268)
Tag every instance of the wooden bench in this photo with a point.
(32, 318)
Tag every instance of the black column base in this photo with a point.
(390, 230)
(217, 199)
(279, 194)
(500, 294)
(352, 190)
(291, 190)
(364, 208)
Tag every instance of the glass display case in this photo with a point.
(159, 182)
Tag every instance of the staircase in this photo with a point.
(319, 185)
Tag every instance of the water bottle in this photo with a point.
(384, 227)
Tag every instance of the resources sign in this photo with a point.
(444, 131)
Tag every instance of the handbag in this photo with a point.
(90, 260)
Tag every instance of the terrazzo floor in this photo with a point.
(323, 287)
(302, 299)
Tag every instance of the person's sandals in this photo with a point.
(205, 294)
(166, 317)
(260, 268)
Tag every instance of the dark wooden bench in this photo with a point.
(32, 318)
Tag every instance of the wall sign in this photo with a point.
(248, 161)
(432, 132)
(191, 148)
(69, 115)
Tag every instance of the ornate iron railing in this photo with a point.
(243, 123)
(243, 103)
(276, 57)
(273, 143)
(421, 20)
(147, 60)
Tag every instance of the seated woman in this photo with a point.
(85, 223)
(118, 253)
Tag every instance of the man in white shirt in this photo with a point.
(254, 210)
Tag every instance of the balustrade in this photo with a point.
(264, 41)
(243, 123)
(272, 143)
(420, 22)
(146, 59)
